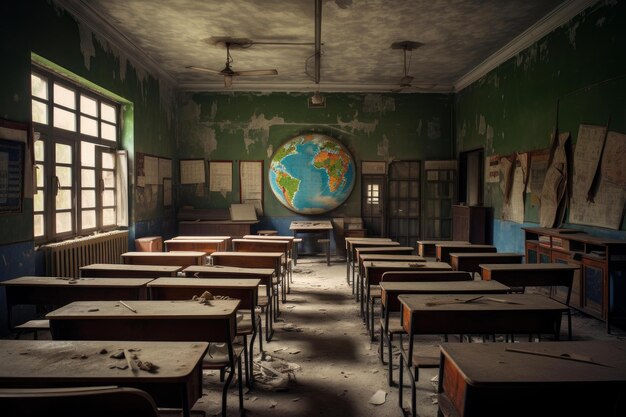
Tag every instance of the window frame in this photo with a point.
(51, 135)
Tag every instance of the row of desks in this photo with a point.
(164, 318)
(463, 307)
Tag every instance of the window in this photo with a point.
(75, 159)
(372, 194)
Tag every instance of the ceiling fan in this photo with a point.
(229, 73)
(407, 80)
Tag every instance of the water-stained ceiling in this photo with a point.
(356, 54)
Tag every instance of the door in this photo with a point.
(372, 206)
(403, 202)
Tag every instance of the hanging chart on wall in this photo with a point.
(312, 174)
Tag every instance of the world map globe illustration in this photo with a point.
(312, 174)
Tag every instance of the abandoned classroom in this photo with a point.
(338, 208)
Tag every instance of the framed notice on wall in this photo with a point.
(192, 171)
(221, 176)
(251, 184)
(13, 139)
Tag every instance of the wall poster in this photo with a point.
(13, 139)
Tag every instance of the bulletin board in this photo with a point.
(13, 140)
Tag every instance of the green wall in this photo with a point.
(248, 126)
(53, 34)
(580, 65)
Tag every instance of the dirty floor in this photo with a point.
(323, 348)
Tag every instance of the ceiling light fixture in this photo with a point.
(317, 100)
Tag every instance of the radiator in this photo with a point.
(64, 259)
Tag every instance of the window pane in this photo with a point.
(64, 222)
(108, 198)
(88, 106)
(64, 200)
(107, 131)
(40, 112)
(88, 126)
(88, 198)
(64, 96)
(107, 112)
(88, 219)
(39, 86)
(109, 179)
(39, 225)
(64, 174)
(38, 201)
(64, 119)
(62, 153)
(108, 217)
(87, 154)
(39, 153)
(87, 178)
(40, 175)
(108, 160)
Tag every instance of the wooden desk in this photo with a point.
(445, 249)
(312, 227)
(374, 272)
(529, 275)
(444, 314)
(154, 320)
(534, 275)
(254, 260)
(215, 227)
(128, 271)
(349, 254)
(390, 290)
(353, 259)
(226, 239)
(428, 247)
(244, 289)
(201, 245)
(485, 379)
(269, 245)
(56, 364)
(438, 314)
(264, 274)
(359, 252)
(51, 291)
(151, 321)
(470, 261)
(182, 259)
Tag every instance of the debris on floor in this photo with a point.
(274, 374)
(378, 398)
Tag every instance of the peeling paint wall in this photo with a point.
(580, 65)
(149, 124)
(249, 126)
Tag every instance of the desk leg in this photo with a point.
(185, 402)
(328, 248)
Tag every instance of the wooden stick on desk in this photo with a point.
(565, 356)
(128, 307)
(129, 360)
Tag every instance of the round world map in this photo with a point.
(312, 174)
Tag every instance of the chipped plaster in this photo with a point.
(434, 128)
(355, 125)
(377, 103)
(382, 149)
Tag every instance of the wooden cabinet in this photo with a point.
(599, 287)
(469, 223)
